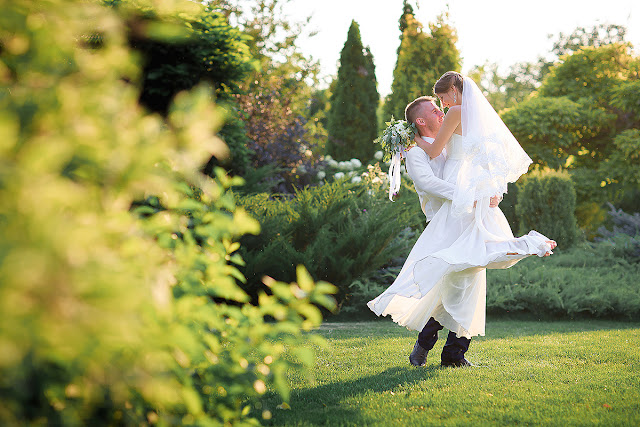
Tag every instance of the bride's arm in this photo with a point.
(450, 123)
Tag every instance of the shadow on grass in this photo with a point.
(323, 404)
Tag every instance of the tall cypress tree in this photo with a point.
(423, 56)
(352, 116)
(407, 11)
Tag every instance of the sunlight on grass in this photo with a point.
(581, 372)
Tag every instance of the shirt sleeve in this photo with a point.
(423, 177)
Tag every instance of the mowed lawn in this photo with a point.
(531, 373)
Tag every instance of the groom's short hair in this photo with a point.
(411, 111)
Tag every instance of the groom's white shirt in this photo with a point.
(426, 174)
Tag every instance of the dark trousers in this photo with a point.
(454, 349)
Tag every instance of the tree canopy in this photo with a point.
(352, 114)
(423, 56)
(585, 117)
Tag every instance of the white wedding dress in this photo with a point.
(444, 276)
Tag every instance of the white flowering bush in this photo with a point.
(376, 176)
(345, 165)
(353, 170)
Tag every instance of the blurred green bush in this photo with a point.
(114, 317)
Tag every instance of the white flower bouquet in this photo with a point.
(398, 135)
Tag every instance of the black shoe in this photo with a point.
(418, 356)
(457, 363)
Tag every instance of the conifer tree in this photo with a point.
(352, 114)
(423, 56)
(407, 10)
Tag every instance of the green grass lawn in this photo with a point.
(532, 373)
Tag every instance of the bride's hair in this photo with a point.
(448, 79)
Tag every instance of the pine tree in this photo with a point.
(423, 56)
(352, 115)
(407, 11)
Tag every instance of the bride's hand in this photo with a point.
(494, 201)
(553, 245)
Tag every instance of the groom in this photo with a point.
(432, 191)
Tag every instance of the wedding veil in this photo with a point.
(492, 156)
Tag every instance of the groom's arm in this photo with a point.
(423, 177)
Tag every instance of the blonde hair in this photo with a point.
(448, 79)
(411, 111)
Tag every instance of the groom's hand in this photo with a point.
(494, 201)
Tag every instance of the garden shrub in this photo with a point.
(277, 136)
(624, 239)
(590, 199)
(372, 284)
(589, 280)
(108, 315)
(341, 231)
(508, 206)
(546, 203)
(623, 223)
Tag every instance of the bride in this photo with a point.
(444, 277)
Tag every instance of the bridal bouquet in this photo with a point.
(397, 136)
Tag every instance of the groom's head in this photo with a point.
(425, 114)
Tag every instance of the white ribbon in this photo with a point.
(395, 177)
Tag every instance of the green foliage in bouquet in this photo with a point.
(340, 231)
(396, 136)
(113, 317)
